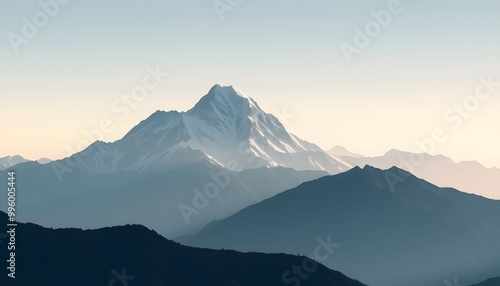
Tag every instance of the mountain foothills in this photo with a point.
(409, 233)
(470, 177)
(176, 201)
(135, 255)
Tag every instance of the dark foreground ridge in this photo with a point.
(134, 255)
(489, 282)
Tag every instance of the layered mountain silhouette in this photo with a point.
(175, 171)
(176, 201)
(391, 227)
(470, 177)
(219, 171)
(135, 255)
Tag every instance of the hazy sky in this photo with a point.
(285, 54)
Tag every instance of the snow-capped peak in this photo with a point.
(226, 100)
(229, 128)
(227, 91)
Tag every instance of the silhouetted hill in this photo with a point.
(97, 257)
(392, 227)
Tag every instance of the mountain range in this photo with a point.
(226, 174)
(412, 233)
(175, 171)
(340, 151)
(470, 177)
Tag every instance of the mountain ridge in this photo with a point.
(467, 176)
(424, 233)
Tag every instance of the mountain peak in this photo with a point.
(225, 127)
(225, 99)
(227, 91)
(228, 94)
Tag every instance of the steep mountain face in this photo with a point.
(225, 128)
(384, 228)
(134, 255)
(226, 118)
(470, 177)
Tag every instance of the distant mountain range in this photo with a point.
(135, 255)
(470, 177)
(416, 232)
(339, 151)
(11, 161)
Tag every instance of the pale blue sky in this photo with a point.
(284, 54)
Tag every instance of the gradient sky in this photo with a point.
(284, 54)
